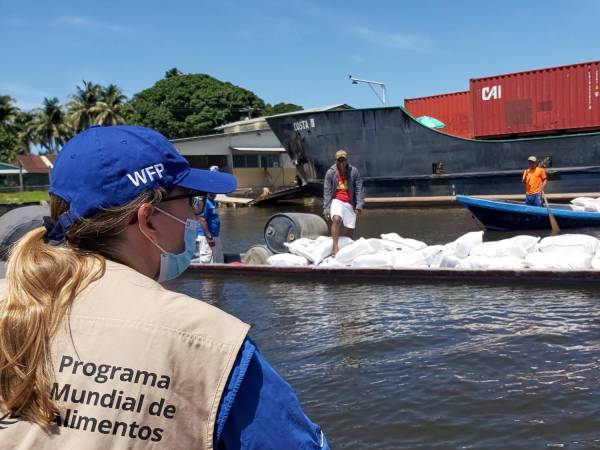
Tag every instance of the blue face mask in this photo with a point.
(174, 264)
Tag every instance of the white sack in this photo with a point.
(507, 263)
(582, 201)
(466, 242)
(449, 261)
(516, 247)
(316, 250)
(569, 244)
(287, 259)
(592, 207)
(404, 260)
(557, 261)
(433, 255)
(407, 244)
(330, 262)
(384, 259)
(378, 245)
(357, 248)
(394, 237)
(474, 262)
(596, 260)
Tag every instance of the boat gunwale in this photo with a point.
(520, 208)
(333, 274)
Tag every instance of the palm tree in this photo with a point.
(111, 108)
(48, 126)
(8, 112)
(25, 134)
(81, 109)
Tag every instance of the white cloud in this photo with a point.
(85, 23)
(399, 41)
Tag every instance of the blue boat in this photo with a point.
(509, 215)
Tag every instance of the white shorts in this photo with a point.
(208, 254)
(345, 211)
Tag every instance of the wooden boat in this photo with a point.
(379, 275)
(510, 215)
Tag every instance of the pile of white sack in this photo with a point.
(586, 204)
(564, 252)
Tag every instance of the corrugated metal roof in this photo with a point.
(36, 163)
(259, 149)
(336, 107)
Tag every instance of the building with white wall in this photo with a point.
(248, 149)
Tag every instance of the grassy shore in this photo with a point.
(10, 198)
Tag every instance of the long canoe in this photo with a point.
(508, 215)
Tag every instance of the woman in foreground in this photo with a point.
(94, 352)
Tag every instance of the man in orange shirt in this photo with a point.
(535, 180)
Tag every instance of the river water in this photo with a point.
(422, 366)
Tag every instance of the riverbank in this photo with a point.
(24, 197)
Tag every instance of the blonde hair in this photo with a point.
(42, 282)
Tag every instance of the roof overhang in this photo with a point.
(258, 149)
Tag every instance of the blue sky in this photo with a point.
(287, 51)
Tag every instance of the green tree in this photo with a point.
(191, 104)
(25, 132)
(9, 141)
(82, 107)
(8, 111)
(280, 108)
(48, 126)
(9, 145)
(174, 72)
(111, 107)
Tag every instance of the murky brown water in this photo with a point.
(423, 366)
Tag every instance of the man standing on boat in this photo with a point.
(535, 180)
(343, 196)
(210, 249)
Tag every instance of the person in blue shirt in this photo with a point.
(121, 229)
(260, 410)
(210, 249)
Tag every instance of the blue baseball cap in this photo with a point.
(106, 167)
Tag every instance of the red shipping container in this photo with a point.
(453, 109)
(545, 101)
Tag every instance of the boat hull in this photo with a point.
(375, 275)
(505, 216)
(397, 156)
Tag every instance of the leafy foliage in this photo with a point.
(9, 145)
(280, 108)
(48, 126)
(81, 109)
(8, 111)
(9, 140)
(111, 108)
(190, 105)
(180, 105)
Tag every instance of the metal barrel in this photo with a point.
(287, 227)
(257, 255)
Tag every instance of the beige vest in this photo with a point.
(140, 367)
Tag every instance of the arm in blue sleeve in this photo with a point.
(260, 410)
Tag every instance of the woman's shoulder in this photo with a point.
(126, 295)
